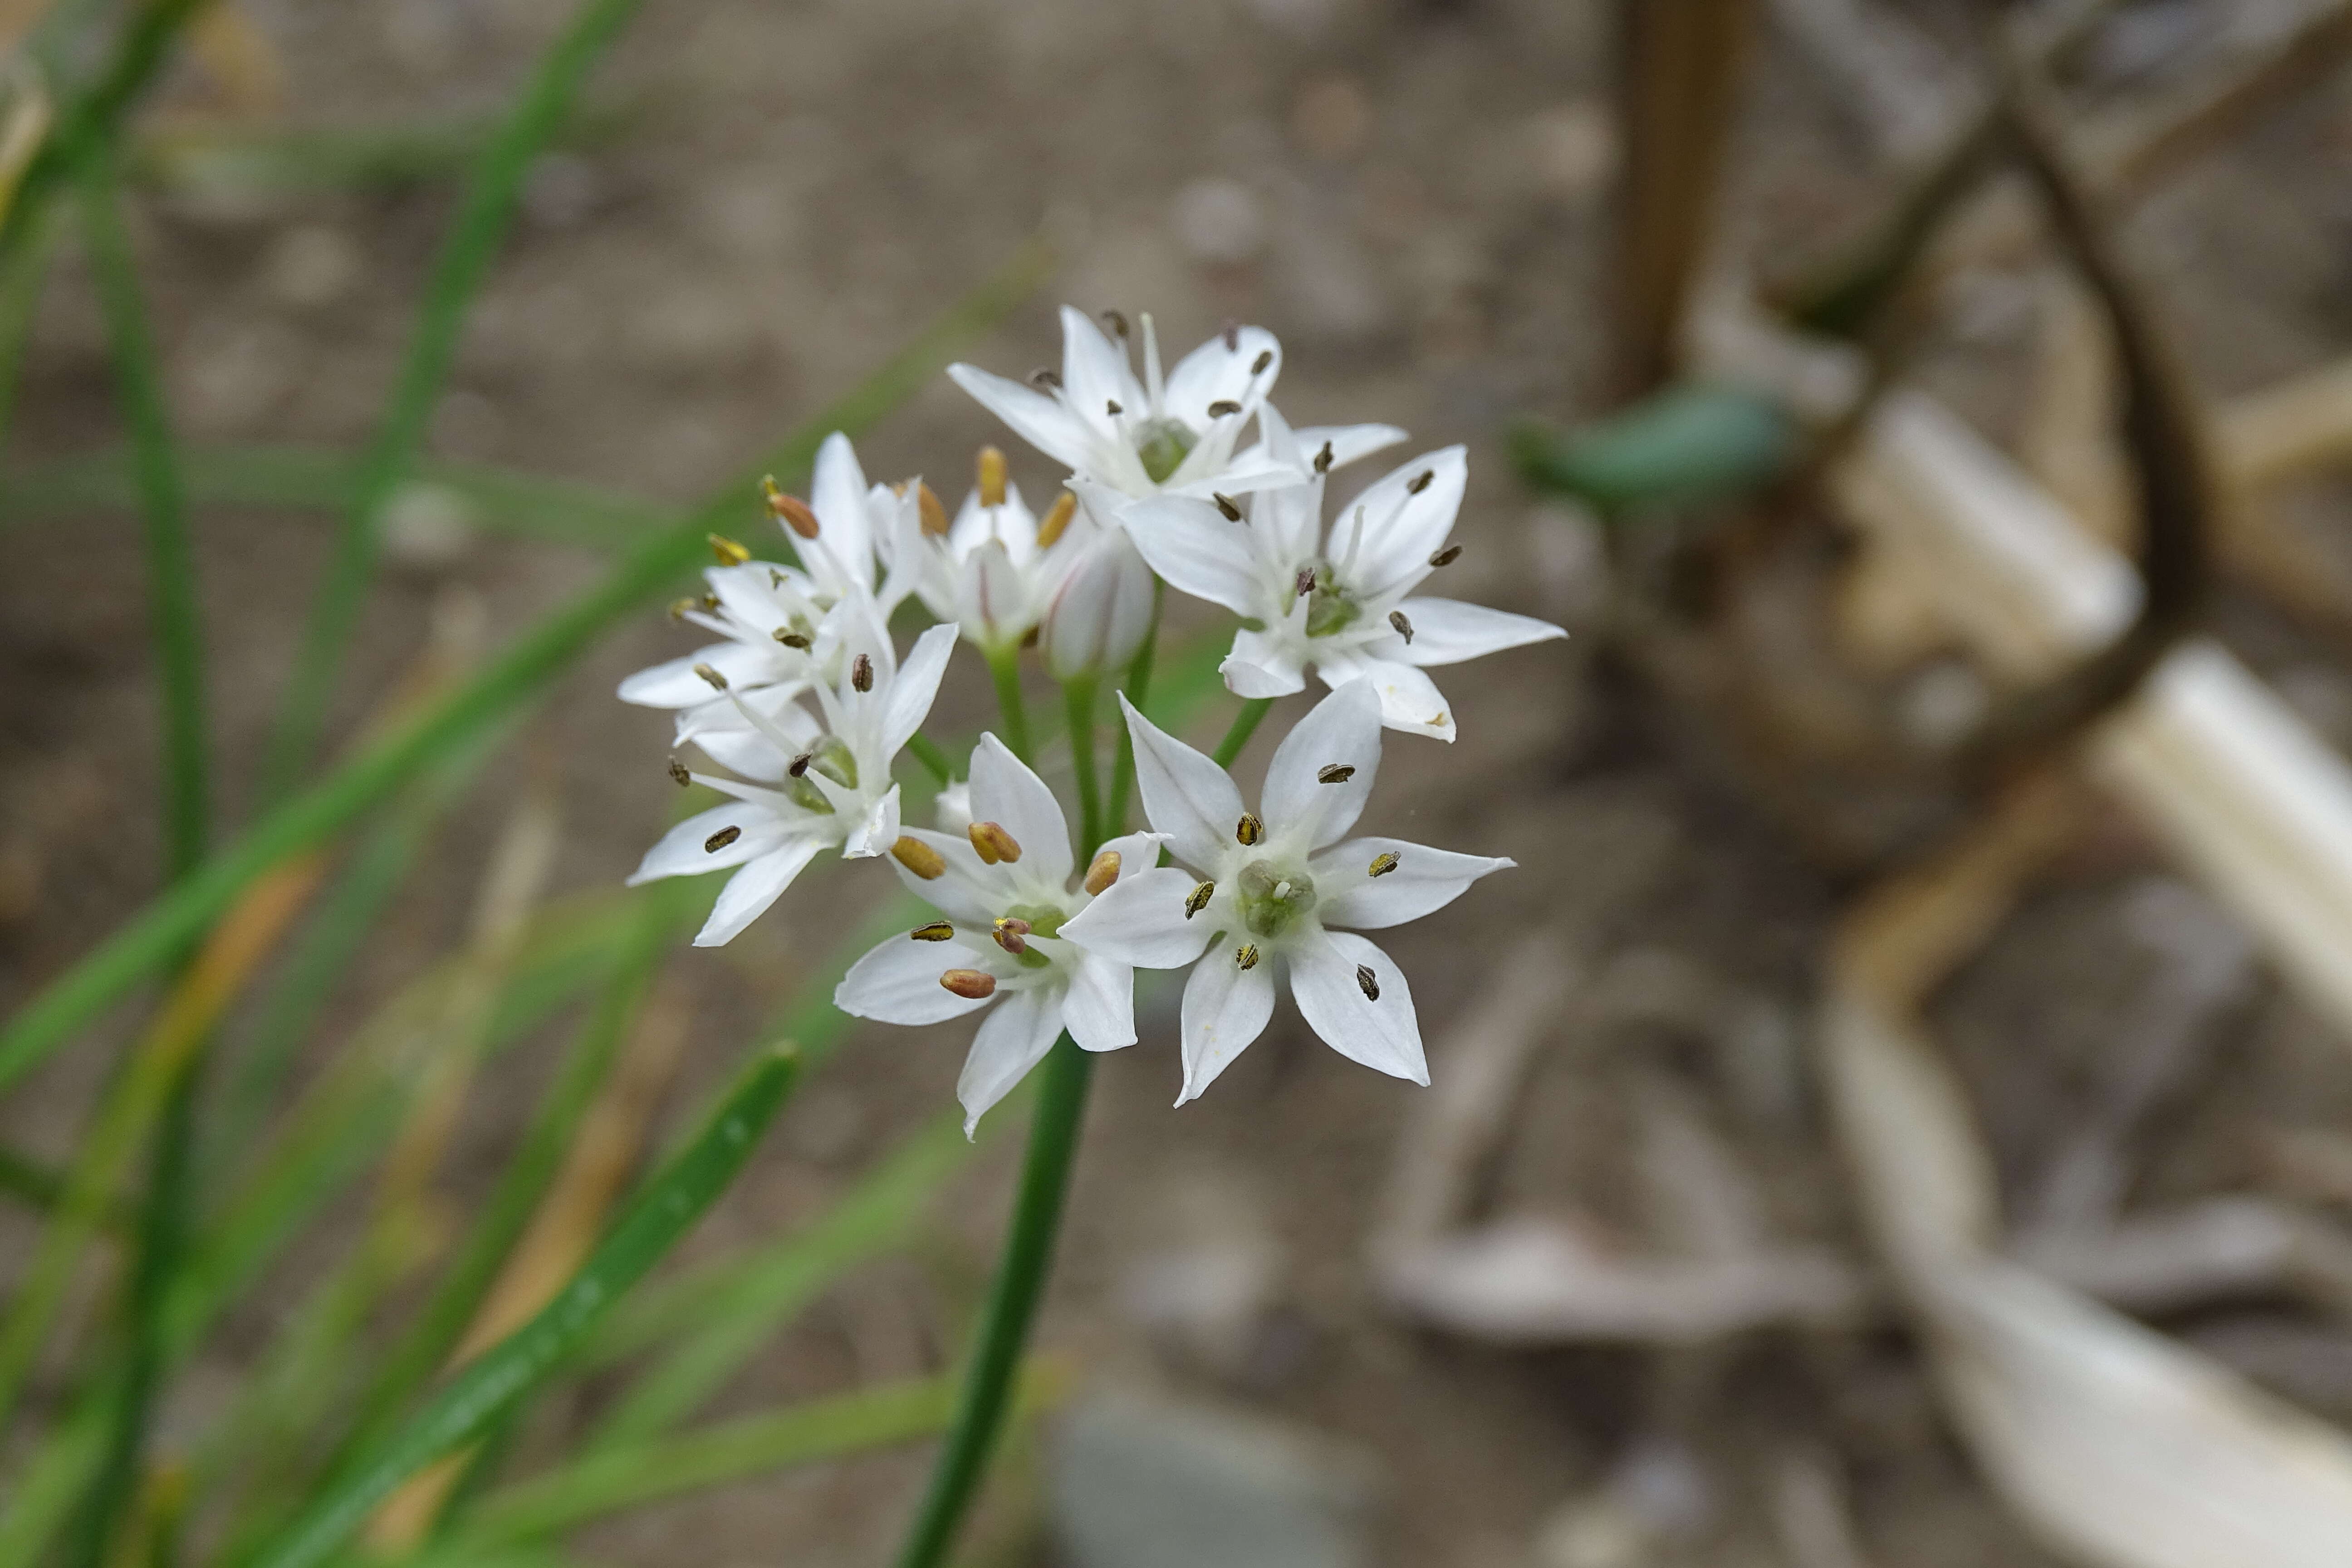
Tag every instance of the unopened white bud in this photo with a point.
(1101, 612)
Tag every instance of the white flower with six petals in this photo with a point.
(1005, 887)
(1278, 891)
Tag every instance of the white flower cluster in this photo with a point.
(806, 706)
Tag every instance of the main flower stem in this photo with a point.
(1080, 695)
(1243, 726)
(1005, 666)
(1021, 1276)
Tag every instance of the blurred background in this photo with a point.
(1643, 1280)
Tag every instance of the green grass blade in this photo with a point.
(171, 562)
(304, 159)
(719, 1318)
(141, 945)
(492, 192)
(23, 274)
(320, 478)
(438, 1325)
(638, 1473)
(491, 1383)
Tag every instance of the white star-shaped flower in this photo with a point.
(1176, 436)
(1278, 892)
(1005, 886)
(1342, 601)
(779, 621)
(810, 780)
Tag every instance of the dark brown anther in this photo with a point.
(861, 672)
(677, 771)
(1323, 458)
(1198, 899)
(1420, 482)
(1111, 407)
(1116, 323)
(1335, 773)
(1009, 933)
(799, 765)
(1044, 379)
(1249, 830)
(709, 602)
(1231, 333)
(1403, 627)
(1304, 582)
(1447, 556)
(1265, 358)
(711, 678)
(1223, 407)
(792, 639)
(1368, 983)
(720, 839)
(1233, 513)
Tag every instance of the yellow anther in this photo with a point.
(993, 843)
(677, 771)
(970, 983)
(1384, 862)
(1103, 872)
(1058, 518)
(992, 476)
(920, 858)
(711, 678)
(730, 554)
(1247, 958)
(938, 931)
(935, 516)
(1198, 899)
(678, 608)
(1249, 829)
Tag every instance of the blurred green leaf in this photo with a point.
(318, 479)
(475, 1396)
(293, 160)
(1685, 445)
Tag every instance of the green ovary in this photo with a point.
(1164, 444)
(1328, 608)
(1273, 898)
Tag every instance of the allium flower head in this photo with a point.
(780, 623)
(1004, 885)
(1278, 893)
(1176, 434)
(810, 780)
(1342, 601)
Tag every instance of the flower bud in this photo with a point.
(1102, 611)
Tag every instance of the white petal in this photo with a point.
(1095, 371)
(1215, 373)
(680, 852)
(1349, 442)
(750, 891)
(1410, 700)
(1012, 1039)
(1099, 1010)
(1402, 528)
(1200, 551)
(1101, 611)
(1383, 1035)
(1290, 520)
(967, 891)
(1344, 731)
(992, 600)
(1447, 631)
(1201, 477)
(744, 751)
(1226, 1007)
(674, 684)
(1424, 880)
(913, 689)
(899, 982)
(1037, 419)
(1185, 795)
(1139, 920)
(838, 495)
(1004, 791)
(1263, 664)
(874, 831)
